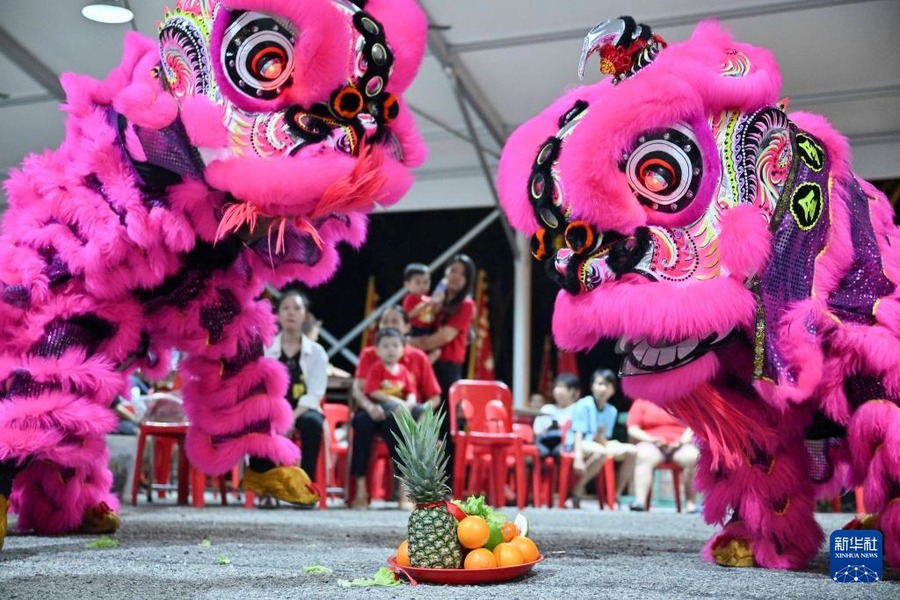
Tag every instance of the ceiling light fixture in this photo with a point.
(108, 11)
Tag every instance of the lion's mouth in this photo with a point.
(642, 357)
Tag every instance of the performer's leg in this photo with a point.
(772, 498)
(234, 397)
(62, 433)
(70, 493)
(874, 436)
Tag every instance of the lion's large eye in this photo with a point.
(665, 169)
(258, 54)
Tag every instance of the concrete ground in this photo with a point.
(588, 553)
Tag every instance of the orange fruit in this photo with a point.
(527, 547)
(508, 554)
(510, 530)
(473, 532)
(403, 553)
(480, 558)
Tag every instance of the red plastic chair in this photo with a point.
(199, 481)
(533, 460)
(606, 478)
(858, 496)
(337, 414)
(487, 440)
(676, 483)
(164, 420)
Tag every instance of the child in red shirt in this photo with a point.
(421, 308)
(388, 382)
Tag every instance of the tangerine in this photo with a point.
(508, 554)
(527, 547)
(403, 554)
(473, 532)
(510, 530)
(480, 558)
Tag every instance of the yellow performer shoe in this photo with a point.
(736, 553)
(4, 508)
(100, 518)
(290, 484)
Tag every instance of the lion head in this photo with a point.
(290, 112)
(648, 197)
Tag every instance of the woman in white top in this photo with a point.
(307, 367)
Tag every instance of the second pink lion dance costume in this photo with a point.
(236, 151)
(749, 276)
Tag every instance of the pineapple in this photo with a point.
(432, 529)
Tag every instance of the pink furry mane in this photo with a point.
(728, 432)
(352, 194)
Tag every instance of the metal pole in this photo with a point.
(479, 152)
(521, 380)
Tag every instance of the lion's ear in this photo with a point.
(406, 29)
(729, 74)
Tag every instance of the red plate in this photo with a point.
(463, 576)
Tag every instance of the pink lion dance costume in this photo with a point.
(749, 277)
(237, 151)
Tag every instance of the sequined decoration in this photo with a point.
(21, 384)
(255, 427)
(821, 467)
(87, 331)
(864, 283)
(247, 354)
(215, 317)
(788, 277)
(862, 388)
(15, 295)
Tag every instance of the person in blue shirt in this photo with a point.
(590, 436)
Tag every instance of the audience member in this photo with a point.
(417, 303)
(660, 437)
(590, 436)
(536, 401)
(372, 417)
(454, 324)
(548, 425)
(388, 382)
(307, 367)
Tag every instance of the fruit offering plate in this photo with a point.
(463, 576)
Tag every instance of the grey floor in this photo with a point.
(589, 553)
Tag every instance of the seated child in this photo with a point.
(388, 382)
(548, 425)
(590, 436)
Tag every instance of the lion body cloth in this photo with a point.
(749, 277)
(235, 151)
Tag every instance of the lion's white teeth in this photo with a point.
(651, 357)
(686, 347)
(639, 350)
(667, 355)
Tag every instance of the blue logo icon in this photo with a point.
(856, 556)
